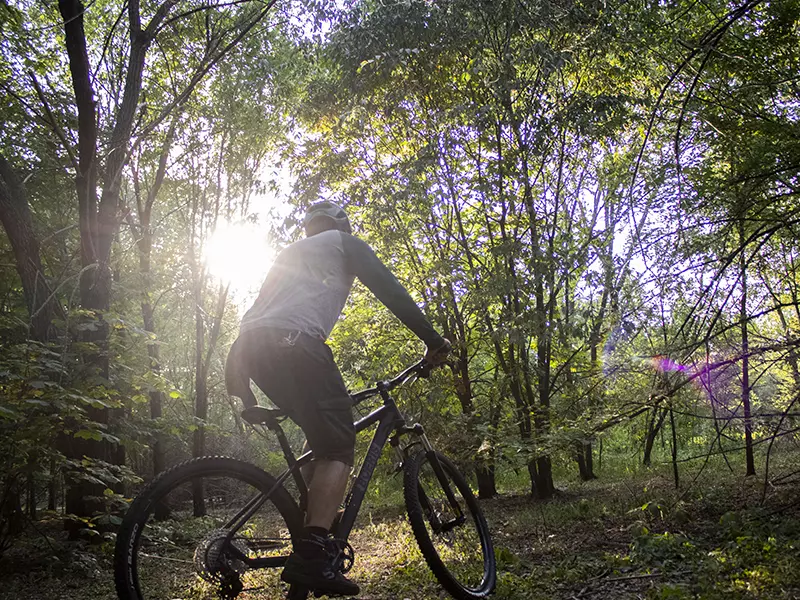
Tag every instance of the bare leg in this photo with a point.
(310, 566)
(308, 470)
(326, 492)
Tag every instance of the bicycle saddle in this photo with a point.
(260, 415)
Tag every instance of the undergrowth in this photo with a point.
(633, 537)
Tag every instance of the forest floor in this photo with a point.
(635, 538)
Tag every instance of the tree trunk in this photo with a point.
(95, 281)
(31, 489)
(12, 515)
(543, 276)
(593, 400)
(484, 467)
(748, 423)
(52, 486)
(144, 235)
(533, 473)
(654, 426)
(580, 458)
(583, 456)
(674, 448)
(83, 498)
(201, 398)
(15, 215)
(588, 460)
(544, 484)
(202, 366)
(600, 455)
(487, 488)
(156, 396)
(484, 464)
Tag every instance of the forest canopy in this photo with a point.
(596, 201)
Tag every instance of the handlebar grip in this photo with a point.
(425, 370)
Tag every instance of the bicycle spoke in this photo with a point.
(186, 554)
(145, 555)
(449, 527)
(460, 548)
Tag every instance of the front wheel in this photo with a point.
(174, 541)
(449, 526)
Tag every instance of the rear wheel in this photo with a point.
(452, 532)
(173, 542)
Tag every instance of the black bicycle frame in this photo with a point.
(389, 420)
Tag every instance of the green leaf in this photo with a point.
(7, 413)
(109, 438)
(37, 402)
(88, 531)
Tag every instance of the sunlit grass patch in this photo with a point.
(388, 561)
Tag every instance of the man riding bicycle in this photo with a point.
(281, 348)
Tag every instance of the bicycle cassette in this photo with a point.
(212, 563)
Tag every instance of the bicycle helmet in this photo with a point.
(328, 211)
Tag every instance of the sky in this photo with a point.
(241, 252)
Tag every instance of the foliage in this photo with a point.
(596, 202)
(42, 411)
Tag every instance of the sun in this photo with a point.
(239, 254)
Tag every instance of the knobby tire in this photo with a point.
(416, 496)
(144, 507)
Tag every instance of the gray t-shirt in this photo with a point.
(307, 287)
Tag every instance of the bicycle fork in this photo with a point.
(436, 524)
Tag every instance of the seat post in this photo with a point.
(260, 415)
(302, 486)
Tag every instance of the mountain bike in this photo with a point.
(217, 527)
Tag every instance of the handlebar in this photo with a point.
(421, 369)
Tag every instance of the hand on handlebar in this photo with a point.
(437, 355)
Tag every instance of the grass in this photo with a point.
(633, 537)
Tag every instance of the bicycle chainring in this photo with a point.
(342, 553)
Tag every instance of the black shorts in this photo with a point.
(296, 372)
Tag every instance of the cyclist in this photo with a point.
(281, 348)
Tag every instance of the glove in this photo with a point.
(437, 355)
